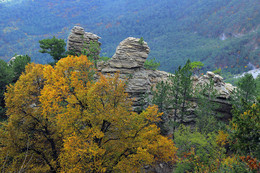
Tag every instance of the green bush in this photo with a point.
(104, 58)
(151, 64)
(141, 41)
(196, 67)
(18, 65)
(245, 130)
(197, 152)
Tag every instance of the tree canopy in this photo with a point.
(61, 120)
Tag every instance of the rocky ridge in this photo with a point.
(129, 60)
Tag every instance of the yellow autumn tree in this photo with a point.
(91, 125)
(29, 142)
(101, 132)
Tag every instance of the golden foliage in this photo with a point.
(222, 138)
(29, 140)
(69, 123)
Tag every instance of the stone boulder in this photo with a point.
(79, 39)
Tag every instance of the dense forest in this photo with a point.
(220, 33)
(66, 117)
(59, 113)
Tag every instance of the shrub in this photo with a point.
(151, 64)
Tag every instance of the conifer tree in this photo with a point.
(245, 93)
(161, 99)
(206, 120)
(174, 94)
(55, 47)
(180, 91)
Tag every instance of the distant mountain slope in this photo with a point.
(220, 33)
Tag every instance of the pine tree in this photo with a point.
(55, 47)
(180, 91)
(206, 120)
(245, 93)
(174, 94)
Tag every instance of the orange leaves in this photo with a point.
(253, 163)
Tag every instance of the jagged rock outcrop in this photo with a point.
(129, 57)
(223, 89)
(79, 39)
(129, 60)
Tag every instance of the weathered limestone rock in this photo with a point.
(224, 89)
(128, 61)
(129, 57)
(78, 38)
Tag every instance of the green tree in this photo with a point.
(6, 76)
(9, 73)
(160, 95)
(141, 41)
(55, 47)
(161, 99)
(247, 87)
(18, 65)
(206, 120)
(258, 86)
(92, 51)
(180, 91)
(196, 67)
(246, 92)
(245, 130)
(174, 94)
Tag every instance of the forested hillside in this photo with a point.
(220, 33)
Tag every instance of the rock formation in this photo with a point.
(79, 39)
(129, 60)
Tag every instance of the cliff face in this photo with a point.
(129, 60)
